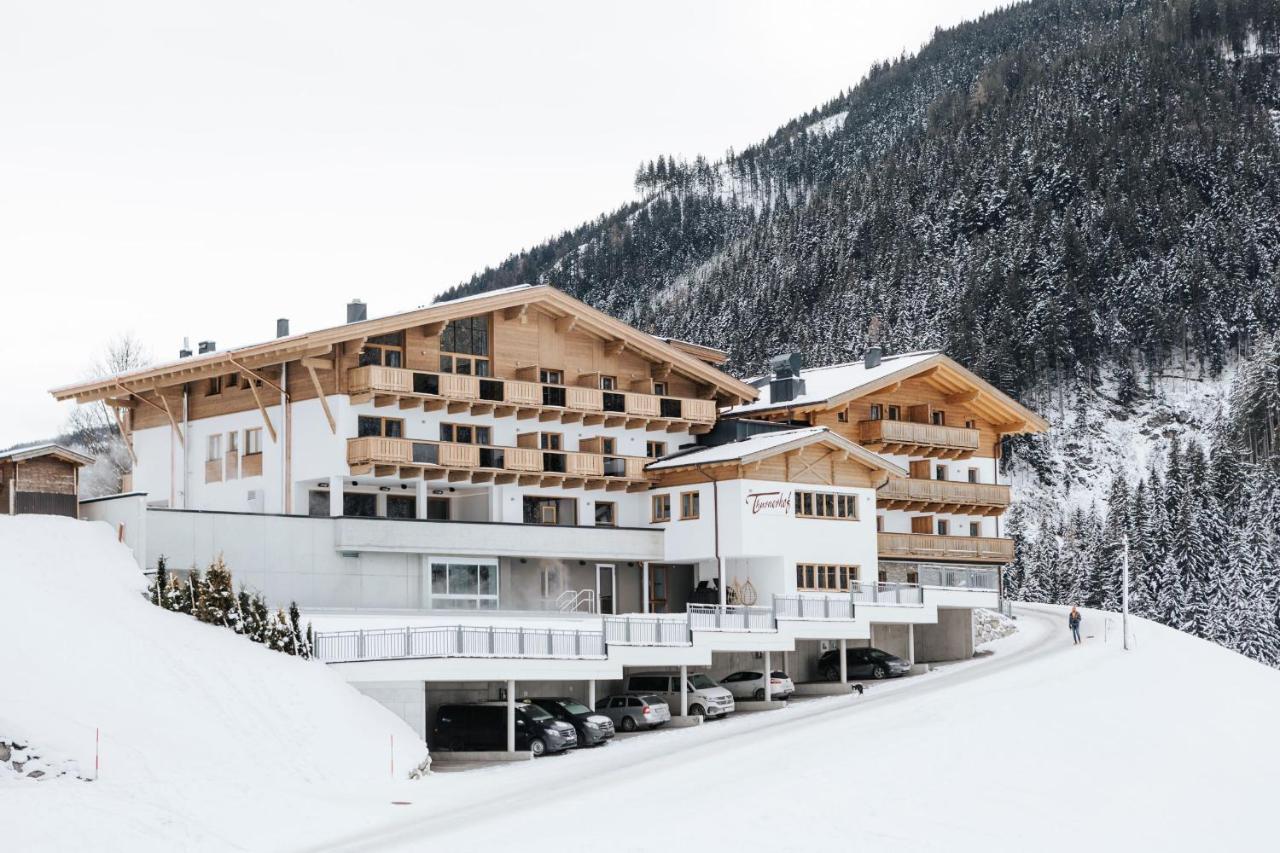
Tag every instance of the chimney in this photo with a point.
(206, 346)
(786, 383)
(185, 352)
(282, 327)
(872, 358)
(357, 311)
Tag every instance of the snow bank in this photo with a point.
(176, 701)
(988, 626)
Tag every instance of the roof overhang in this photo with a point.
(825, 437)
(322, 342)
(961, 386)
(56, 450)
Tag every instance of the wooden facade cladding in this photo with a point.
(924, 546)
(407, 458)
(815, 465)
(41, 484)
(918, 439)
(943, 496)
(478, 395)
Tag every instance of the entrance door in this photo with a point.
(657, 589)
(606, 587)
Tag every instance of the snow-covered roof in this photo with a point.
(823, 383)
(48, 448)
(768, 444)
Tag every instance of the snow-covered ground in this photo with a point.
(212, 743)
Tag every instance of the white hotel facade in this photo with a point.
(514, 490)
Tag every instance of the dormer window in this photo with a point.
(464, 346)
(383, 351)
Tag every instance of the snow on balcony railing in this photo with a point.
(464, 641)
(887, 593)
(812, 607)
(731, 617)
(956, 578)
(647, 630)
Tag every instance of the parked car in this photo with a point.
(863, 663)
(750, 685)
(593, 729)
(483, 726)
(629, 713)
(706, 698)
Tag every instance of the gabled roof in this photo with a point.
(711, 355)
(323, 341)
(35, 451)
(834, 385)
(768, 444)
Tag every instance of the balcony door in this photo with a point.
(657, 588)
(606, 587)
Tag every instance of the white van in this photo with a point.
(706, 698)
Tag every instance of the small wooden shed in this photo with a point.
(41, 480)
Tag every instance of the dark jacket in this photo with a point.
(1074, 620)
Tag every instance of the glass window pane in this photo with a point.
(446, 364)
(395, 429)
(438, 586)
(488, 580)
(446, 339)
(462, 579)
(394, 358)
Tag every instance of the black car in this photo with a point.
(593, 729)
(483, 727)
(863, 663)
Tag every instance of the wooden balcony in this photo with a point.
(945, 496)
(407, 459)
(913, 439)
(926, 546)
(480, 395)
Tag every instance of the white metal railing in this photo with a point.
(576, 601)
(464, 641)
(886, 593)
(958, 578)
(812, 607)
(642, 630)
(731, 617)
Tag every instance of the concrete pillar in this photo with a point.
(420, 493)
(591, 694)
(684, 690)
(786, 662)
(844, 661)
(335, 496)
(768, 676)
(511, 716)
(644, 587)
(911, 642)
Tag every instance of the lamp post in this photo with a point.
(1124, 594)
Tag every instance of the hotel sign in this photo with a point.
(769, 503)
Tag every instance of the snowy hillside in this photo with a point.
(194, 719)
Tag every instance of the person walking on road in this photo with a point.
(1074, 621)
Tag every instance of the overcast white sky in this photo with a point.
(177, 169)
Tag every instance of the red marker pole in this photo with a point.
(97, 741)
(393, 756)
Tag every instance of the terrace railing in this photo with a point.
(730, 617)
(812, 607)
(457, 641)
(986, 580)
(884, 592)
(641, 630)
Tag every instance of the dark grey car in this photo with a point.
(863, 663)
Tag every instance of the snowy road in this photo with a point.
(705, 769)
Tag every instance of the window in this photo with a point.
(561, 511)
(465, 434)
(940, 472)
(660, 388)
(973, 475)
(826, 505)
(688, 505)
(233, 442)
(879, 523)
(884, 576)
(943, 527)
(461, 342)
(939, 418)
(550, 441)
(608, 383)
(383, 351)
(233, 381)
(438, 509)
(606, 514)
(252, 441)
(464, 586)
(876, 413)
(608, 445)
(361, 504)
(970, 424)
(661, 506)
(655, 449)
(215, 448)
(551, 377)
(894, 413)
(402, 506)
(913, 577)
(317, 503)
(821, 577)
(842, 416)
(368, 425)
(215, 386)
(975, 528)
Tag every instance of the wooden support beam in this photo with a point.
(504, 479)
(172, 420)
(266, 419)
(458, 476)
(660, 371)
(566, 324)
(317, 363)
(432, 405)
(125, 434)
(963, 397)
(361, 470)
(433, 330)
(529, 479)
(525, 414)
(614, 347)
(481, 408)
(571, 417)
(407, 403)
(257, 376)
(517, 312)
(593, 420)
(548, 417)
(384, 470)
(324, 402)
(615, 486)
(457, 407)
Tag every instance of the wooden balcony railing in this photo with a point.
(954, 496)
(504, 397)
(926, 546)
(915, 439)
(405, 458)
